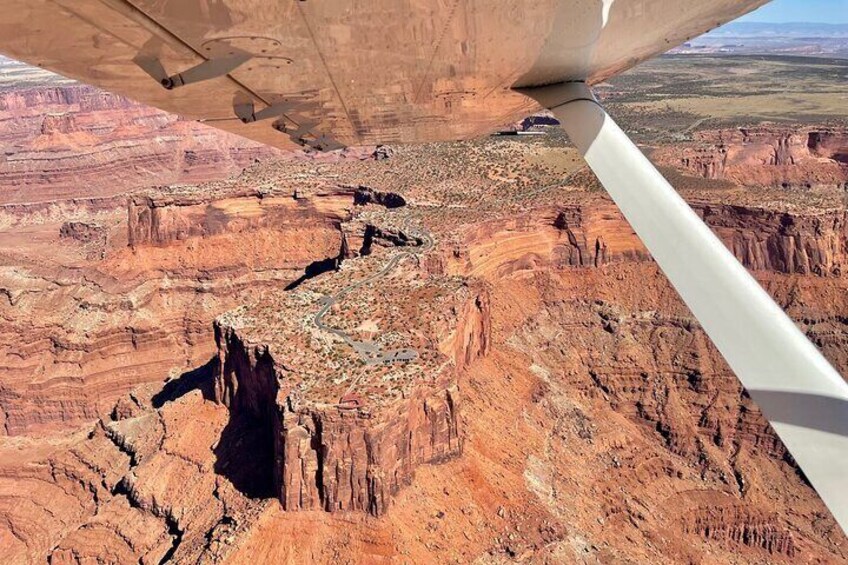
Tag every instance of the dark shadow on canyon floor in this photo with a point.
(244, 453)
(201, 378)
(314, 269)
(245, 456)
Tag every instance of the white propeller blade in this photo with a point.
(798, 391)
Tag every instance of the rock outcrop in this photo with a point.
(594, 234)
(764, 240)
(354, 453)
(160, 220)
(83, 232)
(366, 195)
(735, 524)
(334, 458)
(72, 141)
(765, 156)
(147, 309)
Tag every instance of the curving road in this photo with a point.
(370, 352)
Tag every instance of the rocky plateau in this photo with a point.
(766, 155)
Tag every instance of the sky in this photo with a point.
(815, 11)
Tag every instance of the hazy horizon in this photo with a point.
(799, 22)
(800, 11)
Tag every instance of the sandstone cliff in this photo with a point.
(80, 307)
(354, 454)
(593, 233)
(72, 141)
(159, 220)
(576, 410)
(765, 156)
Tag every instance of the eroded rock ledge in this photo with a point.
(335, 458)
(765, 156)
(594, 234)
(160, 220)
(349, 437)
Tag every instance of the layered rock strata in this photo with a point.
(342, 457)
(765, 156)
(162, 219)
(595, 361)
(525, 326)
(349, 441)
(592, 232)
(80, 307)
(74, 140)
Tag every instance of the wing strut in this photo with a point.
(798, 391)
(206, 70)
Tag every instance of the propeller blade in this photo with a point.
(798, 391)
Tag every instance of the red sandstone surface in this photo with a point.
(72, 141)
(765, 156)
(167, 395)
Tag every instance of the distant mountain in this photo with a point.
(760, 38)
(797, 29)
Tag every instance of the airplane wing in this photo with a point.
(347, 72)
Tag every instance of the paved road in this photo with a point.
(370, 352)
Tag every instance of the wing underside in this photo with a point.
(347, 72)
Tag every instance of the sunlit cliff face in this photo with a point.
(766, 156)
(72, 141)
